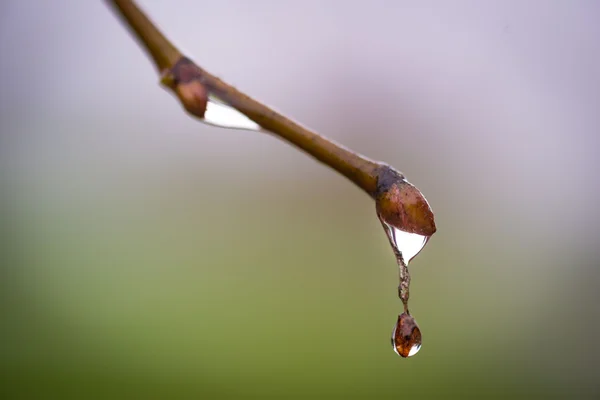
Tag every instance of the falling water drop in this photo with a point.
(406, 336)
(219, 113)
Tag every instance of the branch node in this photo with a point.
(185, 80)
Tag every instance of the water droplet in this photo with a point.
(219, 113)
(407, 244)
(406, 336)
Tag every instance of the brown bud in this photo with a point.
(406, 337)
(185, 79)
(402, 205)
(193, 96)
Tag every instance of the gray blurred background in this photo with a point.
(146, 255)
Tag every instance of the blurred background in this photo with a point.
(146, 255)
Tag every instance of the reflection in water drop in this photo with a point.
(407, 244)
(414, 350)
(221, 114)
(406, 336)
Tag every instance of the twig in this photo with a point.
(190, 83)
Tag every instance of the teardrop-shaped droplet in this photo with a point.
(406, 336)
(408, 244)
(218, 113)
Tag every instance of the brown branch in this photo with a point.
(182, 76)
(162, 51)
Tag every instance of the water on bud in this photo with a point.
(407, 244)
(406, 336)
(218, 113)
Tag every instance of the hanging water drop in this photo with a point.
(221, 114)
(187, 80)
(406, 244)
(406, 336)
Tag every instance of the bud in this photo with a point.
(185, 79)
(402, 205)
(193, 96)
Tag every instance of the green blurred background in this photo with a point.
(145, 255)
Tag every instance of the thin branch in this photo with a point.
(162, 51)
(190, 83)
